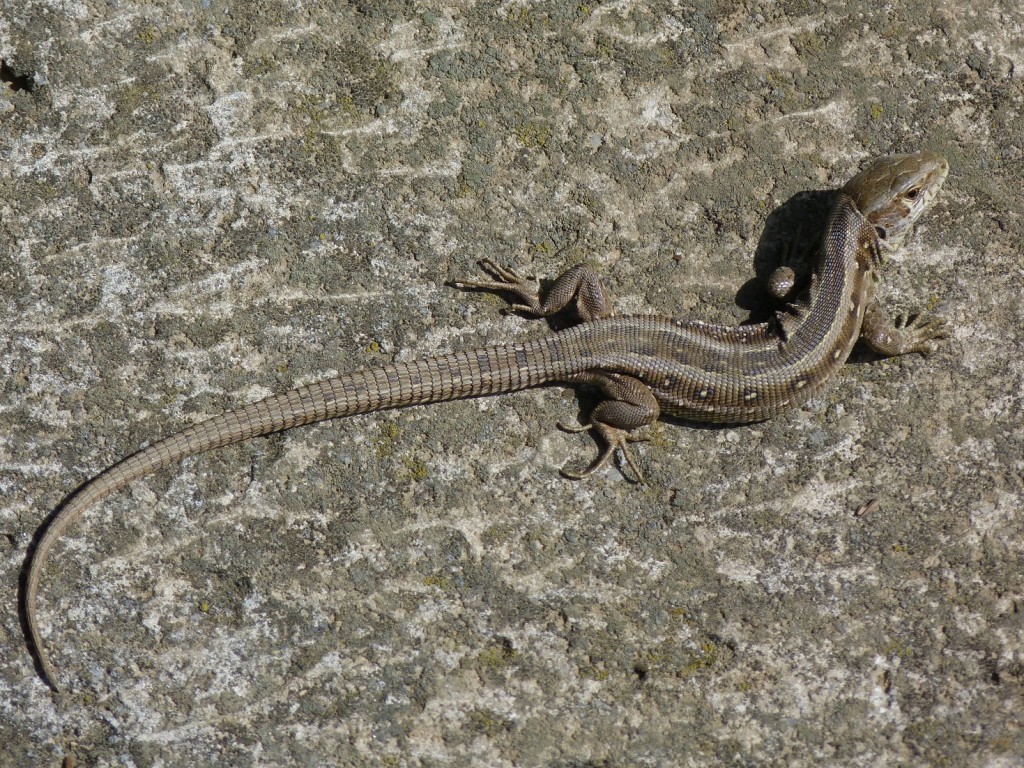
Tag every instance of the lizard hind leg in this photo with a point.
(580, 284)
(630, 406)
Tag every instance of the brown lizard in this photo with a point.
(645, 366)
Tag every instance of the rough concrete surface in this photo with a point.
(205, 202)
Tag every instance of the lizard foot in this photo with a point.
(507, 281)
(909, 333)
(921, 332)
(579, 286)
(615, 441)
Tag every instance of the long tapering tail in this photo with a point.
(470, 373)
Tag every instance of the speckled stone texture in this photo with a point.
(205, 202)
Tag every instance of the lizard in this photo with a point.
(644, 365)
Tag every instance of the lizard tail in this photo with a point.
(468, 373)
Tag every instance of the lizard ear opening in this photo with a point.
(882, 234)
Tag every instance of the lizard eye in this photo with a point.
(882, 234)
(913, 193)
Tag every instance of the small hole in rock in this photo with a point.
(13, 79)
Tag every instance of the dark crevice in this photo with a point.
(13, 79)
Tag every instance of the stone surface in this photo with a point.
(202, 203)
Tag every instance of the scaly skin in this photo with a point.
(644, 365)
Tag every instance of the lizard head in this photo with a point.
(893, 192)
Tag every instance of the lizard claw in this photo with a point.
(615, 441)
(922, 331)
(508, 281)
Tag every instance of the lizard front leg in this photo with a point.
(630, 406)
(580, 283)
(914, 333)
